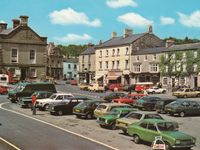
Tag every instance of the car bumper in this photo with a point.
(103, 123)
(183, 146)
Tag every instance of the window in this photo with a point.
(154, 68)
(152, 127)
(100, 65)
(74, 75)
(154, 57)
(195, 54)
(113, 64)
(145, 58)
(83, 58)
(113, 53)
(166, 56)
(174, 56)
(106, 52)
(32, 54)
(75, 66)
(134, 116)
(137, 68)
(194, 67)
(14, 55)
(126, 64)
(143, 125)
(83, 66)
(118, 52)
(184, 67)
(100, 55)
(165, 81)
(106, 64)
(138, 58)
(184, 55)
(166, 68)
(89, 67)
(69, 66)
(118, 64)
(33, 72)
(127, 51)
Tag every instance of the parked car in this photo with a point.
(148, 129)
(115, 86)
(129, 99)
(96, 87)
(141, 86)
(134, 117)
(113, 95)
(83, 86)
(156, 90)
(25, 89)
(86, 108)
(4, 89)
(27, 101)
(146, 103)
(65, 107)
(43, 104)
(104, 108)
(160, 104)
(183, 108)
(73, 82)
(109, 120)
(186, 92)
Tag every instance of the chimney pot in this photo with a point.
(3, 26)
(169, 43)
(16, 22)
(114, 34)
(23, 20)
(128, 32)
(150, 29)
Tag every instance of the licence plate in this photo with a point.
(77, 110)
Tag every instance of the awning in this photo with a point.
(113, 75)
(98, 77)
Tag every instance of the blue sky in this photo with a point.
(83, 21)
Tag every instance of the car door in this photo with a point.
(59, 98)
(151, 132)
(194, 108)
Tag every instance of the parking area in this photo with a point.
(91, 129)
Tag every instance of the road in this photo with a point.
(28, 134)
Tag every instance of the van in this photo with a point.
(141, 86)
(104, 108)
(26, 89)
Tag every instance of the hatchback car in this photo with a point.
(160, 104)
(148, 129)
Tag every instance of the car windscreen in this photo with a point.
(166, 126)
(52, 96)
(84, 104)
(101, 107)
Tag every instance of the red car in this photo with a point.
(130, 99)
(3, 89)
(116, 87)
(73, 82)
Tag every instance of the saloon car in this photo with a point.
(186, 92)
(86, 108)
(183, 108)
(133, 117)
(110, 119)
(148, 129)
(113, 95)
(156, 90)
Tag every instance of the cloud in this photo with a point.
(73, 38)
(167, 20)
(192, 20)
(134, 20)
(69, 16)
(1, 21)
(120, 3)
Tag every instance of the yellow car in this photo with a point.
(83, 86)
(186, 92)
(96, 87)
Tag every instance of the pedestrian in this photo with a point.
(34, 104)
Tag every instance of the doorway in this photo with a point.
(23, 74)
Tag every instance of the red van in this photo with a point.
(141, 86)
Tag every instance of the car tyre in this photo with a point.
(89, 116)
(78, 116)
(163, 92)
(136, 139)
(167, 146)
(60, 112)
(46, 107)
(124, 131)
(113, 126)
(182, 114)
(185, 96)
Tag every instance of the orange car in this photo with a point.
(129, 99)
(73, 82)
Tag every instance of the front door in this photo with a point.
(23, 74)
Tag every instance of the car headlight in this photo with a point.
(40, 103)
(106, 121)
(178, 142)
(52, 108)
(98, 119)
(193, 140)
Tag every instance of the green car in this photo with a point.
(110, 119)
(86, 108)
(148, 129)
(27, 101)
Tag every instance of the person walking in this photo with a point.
(34, 104)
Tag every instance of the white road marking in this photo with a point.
(98, 142)
(9, 143)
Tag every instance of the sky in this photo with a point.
(89, 21)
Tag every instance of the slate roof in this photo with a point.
(150, 51)
(70, 60)
(190, 46)
(89, 50)
(7, 31)
(121, 40)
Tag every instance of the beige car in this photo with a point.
(105, 108)
(186, 92)
(133, 117)
(96, 87)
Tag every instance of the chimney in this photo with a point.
(100, 42)
(114, 35)
(16, 22)
(128, 32)
(169, 43)
(150, 29)
(90, 45)
(3, 26)
(23, 20)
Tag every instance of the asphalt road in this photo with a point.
(28, 134)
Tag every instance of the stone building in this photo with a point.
(22, 50)
(54, 61)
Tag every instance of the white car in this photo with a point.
(156, 90)
(43, 104)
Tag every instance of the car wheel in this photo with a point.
(113, 126)
(136, 138)
(182, 114)
(60, 112)
(89, 116)
(171, 114)
(124, 131)
(29, 105)
(163, 92)
(185, 96)
(46, 107)
(198, 95)
(153, 92)
(78, 116)
(167, 146)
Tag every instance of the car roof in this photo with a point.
(122, 109)
(62, 93)
(93, 101)
(114, 104)
(42, 92)
(145, 112)
(156, 120)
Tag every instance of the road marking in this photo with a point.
(9, 143)
(98, 142)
